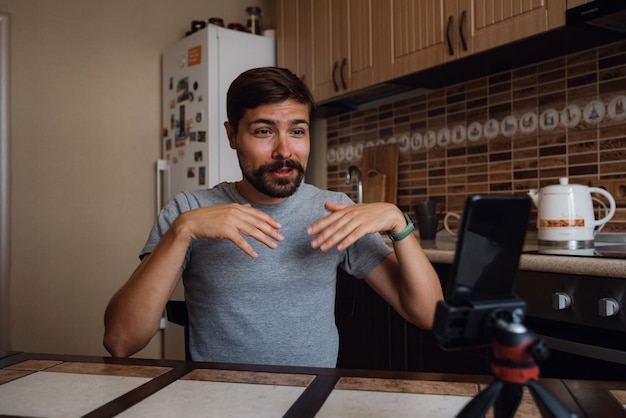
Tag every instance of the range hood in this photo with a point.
(607, 15)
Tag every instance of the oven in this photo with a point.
(582, 318)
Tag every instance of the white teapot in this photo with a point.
(565, 215)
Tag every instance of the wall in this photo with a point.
(503, 134)
(84, 136)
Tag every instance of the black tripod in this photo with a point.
(516, 352)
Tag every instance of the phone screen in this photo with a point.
(490, 242)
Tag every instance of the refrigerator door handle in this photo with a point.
(162, 173)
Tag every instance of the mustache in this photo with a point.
(280, 164)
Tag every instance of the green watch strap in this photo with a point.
(410, 226)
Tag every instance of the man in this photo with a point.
(258, 257)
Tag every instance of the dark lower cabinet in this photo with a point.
(373, 336)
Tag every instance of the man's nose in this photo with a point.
(282, 148)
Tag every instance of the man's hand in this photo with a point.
(347, 223)
(230, 222)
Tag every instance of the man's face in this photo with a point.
(273, 145)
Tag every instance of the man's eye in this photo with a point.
(299, 132)
(262, 131)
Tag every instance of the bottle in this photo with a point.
(253, 25)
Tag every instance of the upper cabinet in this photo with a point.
(293, 33)
(492, 23)
(429, 33)
(344, 45)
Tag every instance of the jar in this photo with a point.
(217, 21)
(236, 26)
(253, 24)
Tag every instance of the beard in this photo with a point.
(275, 188)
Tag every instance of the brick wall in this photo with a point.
(501, 134)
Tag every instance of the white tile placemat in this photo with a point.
(187, 398)
(45, 394)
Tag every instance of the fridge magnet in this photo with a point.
(194, 55)
(171, 83)
(201, 176)
(168, 144)
(201, 136)
(172, 104)
(166, 132)
(182, 90)
(199, 117)
(195, 86)
(197, 156)
(191, 172)
(192, 137)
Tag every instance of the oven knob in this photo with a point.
(608, 307)
(561, 301)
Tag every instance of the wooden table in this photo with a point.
(49, 385)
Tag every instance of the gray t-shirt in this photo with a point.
(274, 309)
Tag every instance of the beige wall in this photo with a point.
(84, 137)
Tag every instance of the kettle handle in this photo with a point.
(611, 200)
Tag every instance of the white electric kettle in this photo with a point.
(565, 216)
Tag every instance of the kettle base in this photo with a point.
(570, 245)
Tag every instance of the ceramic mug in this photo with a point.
(446, 219)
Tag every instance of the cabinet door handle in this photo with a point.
(449, 35)
(341, 73)
(335, 75)
(462, 24)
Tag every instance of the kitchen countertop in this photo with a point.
(441, 250)
(36, 385)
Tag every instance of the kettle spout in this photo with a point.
(534, 196)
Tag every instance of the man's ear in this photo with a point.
(230, 132)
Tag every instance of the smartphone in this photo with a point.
(490, 242)
(480, 288)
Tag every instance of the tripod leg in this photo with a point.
(549, 401)
(508, 401)
(481, 403)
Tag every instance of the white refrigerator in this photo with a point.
(197, 72)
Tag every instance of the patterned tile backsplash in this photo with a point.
(502, 134)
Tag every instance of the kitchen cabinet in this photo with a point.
(333, 44)
(293, 30)
(341, 46)
(426, 34)
(373, 336)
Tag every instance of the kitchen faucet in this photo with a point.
(354, 172)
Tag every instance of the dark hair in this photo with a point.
(264, 85)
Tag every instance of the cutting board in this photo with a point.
(383, 186)
(374, 187)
